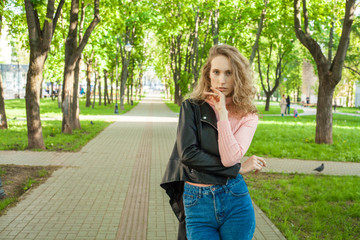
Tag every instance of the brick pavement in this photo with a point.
(92, 197)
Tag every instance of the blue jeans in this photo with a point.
(219, 212)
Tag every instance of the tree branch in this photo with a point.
(339, 58)
(90, 28)
(306, 18)
(306, 39)
(58, 12)
(331, 43)
(268, 69)
(260, 72)
(48, 26)
(33, 23)
(259, 30)
(353, 70)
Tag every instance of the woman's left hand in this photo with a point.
(218, 99)
(252, 164)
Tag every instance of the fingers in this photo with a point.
(216, 91)
(261, 161)
(211, 94)
(258, 163)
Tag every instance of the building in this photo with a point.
(14, 80)
(310, 84)
(357, 95)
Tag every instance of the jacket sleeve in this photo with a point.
(189, 149)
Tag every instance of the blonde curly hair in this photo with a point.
(244, 90)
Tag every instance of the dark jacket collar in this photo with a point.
(207, 113)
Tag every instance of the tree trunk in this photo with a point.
(69, 70)
(124, 73)
(39, 40)
(41, 87)
(52, 91)
(68, 96)
(324, 113)
(94, 92)
(128, 94)
(59, 92)
(88, 82)
(34, 79)
(267, 103)
(111, 88)
(75, 107)
(99, 90)
(3, 120)
(105, 87)
(72, 55)
(216, 24)
(195, 55)
(178, 97)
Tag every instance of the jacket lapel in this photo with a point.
(208, 115)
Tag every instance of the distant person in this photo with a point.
(2, 192)
(287, 105)
(335, 105)
(283, 105)
(295, 113)
(216, 125)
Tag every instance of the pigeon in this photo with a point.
(320, 168)
(91, 122)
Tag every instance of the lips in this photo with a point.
(222, 89)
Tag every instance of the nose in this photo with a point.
(222, 79)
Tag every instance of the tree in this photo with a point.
(258, 33)
(276, 45)
(39, 41)
(352, 61)
(329, 70)
(72, 54)
(3, 120)
(267, 87)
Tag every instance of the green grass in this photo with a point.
(49, 108)
(294, 138)
(261, 108)
(15, 138)
(348, 110)
(308, 206)
(29, 184)
(173, 107)
(274, 110)
(6, 202)
(43, 173)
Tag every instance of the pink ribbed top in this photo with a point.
(234, 136)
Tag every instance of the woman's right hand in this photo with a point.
(253, 163)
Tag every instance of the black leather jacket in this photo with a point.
(195, 157)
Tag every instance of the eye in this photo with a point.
(216, 72)
(228, 73)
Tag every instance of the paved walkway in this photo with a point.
(92, 196)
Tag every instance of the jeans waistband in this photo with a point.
(214, 188)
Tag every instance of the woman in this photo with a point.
(288, 105)
(283, 105)
(204, 174)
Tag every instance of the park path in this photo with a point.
(110, 189)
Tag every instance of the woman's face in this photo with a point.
(221, 75)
